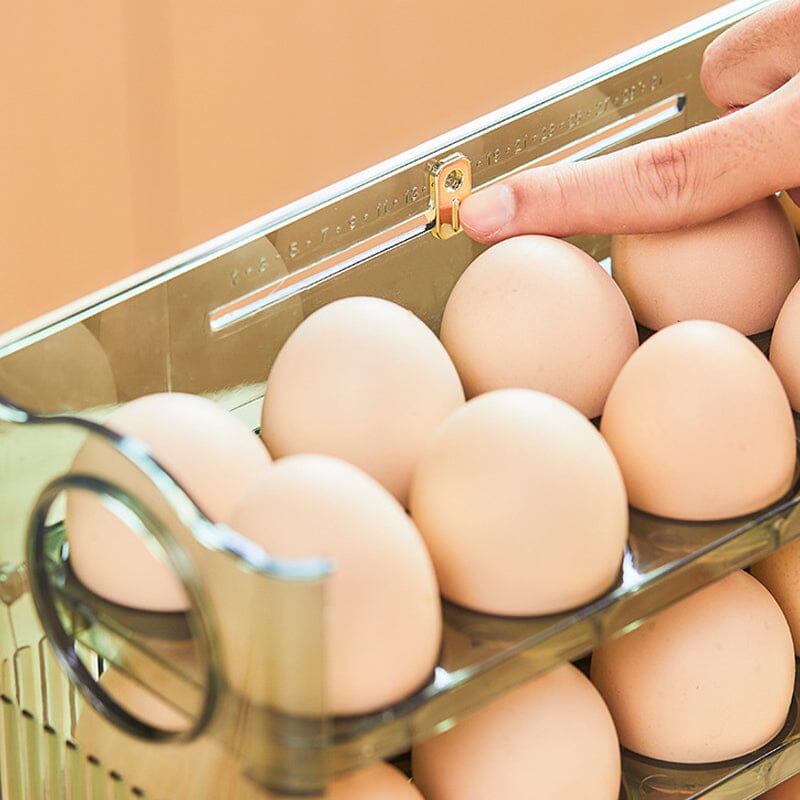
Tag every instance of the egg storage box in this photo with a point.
(226, 700)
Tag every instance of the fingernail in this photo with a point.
(487, 212)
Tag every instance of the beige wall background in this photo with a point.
(131, 130)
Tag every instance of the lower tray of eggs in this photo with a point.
(470, 467)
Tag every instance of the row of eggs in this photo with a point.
(521, 503)
(706, 680)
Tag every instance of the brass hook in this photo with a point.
(450, 182)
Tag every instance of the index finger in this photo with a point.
(691, 177)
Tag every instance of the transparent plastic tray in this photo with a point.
(482, 655)
(740, 779)
(210, 322)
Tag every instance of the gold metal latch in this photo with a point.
(450, 182)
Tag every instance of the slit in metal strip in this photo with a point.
(261, 299)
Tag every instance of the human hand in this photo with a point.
(691, 177)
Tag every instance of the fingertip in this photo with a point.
(486, 214)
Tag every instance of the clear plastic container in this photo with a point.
(99, 701)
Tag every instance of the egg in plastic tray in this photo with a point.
(207, 313)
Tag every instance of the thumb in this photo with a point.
(661, 184)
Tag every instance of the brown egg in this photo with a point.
(709, 679)
(784, 349)
(700, 425)
(736, 270)
(551, 738)
(206, 449)
(535, 312)
(780, 574)
(364, 380)
(202, 769)
(383, 619)
(521, 504)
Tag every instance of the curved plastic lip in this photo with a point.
(213, 536)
